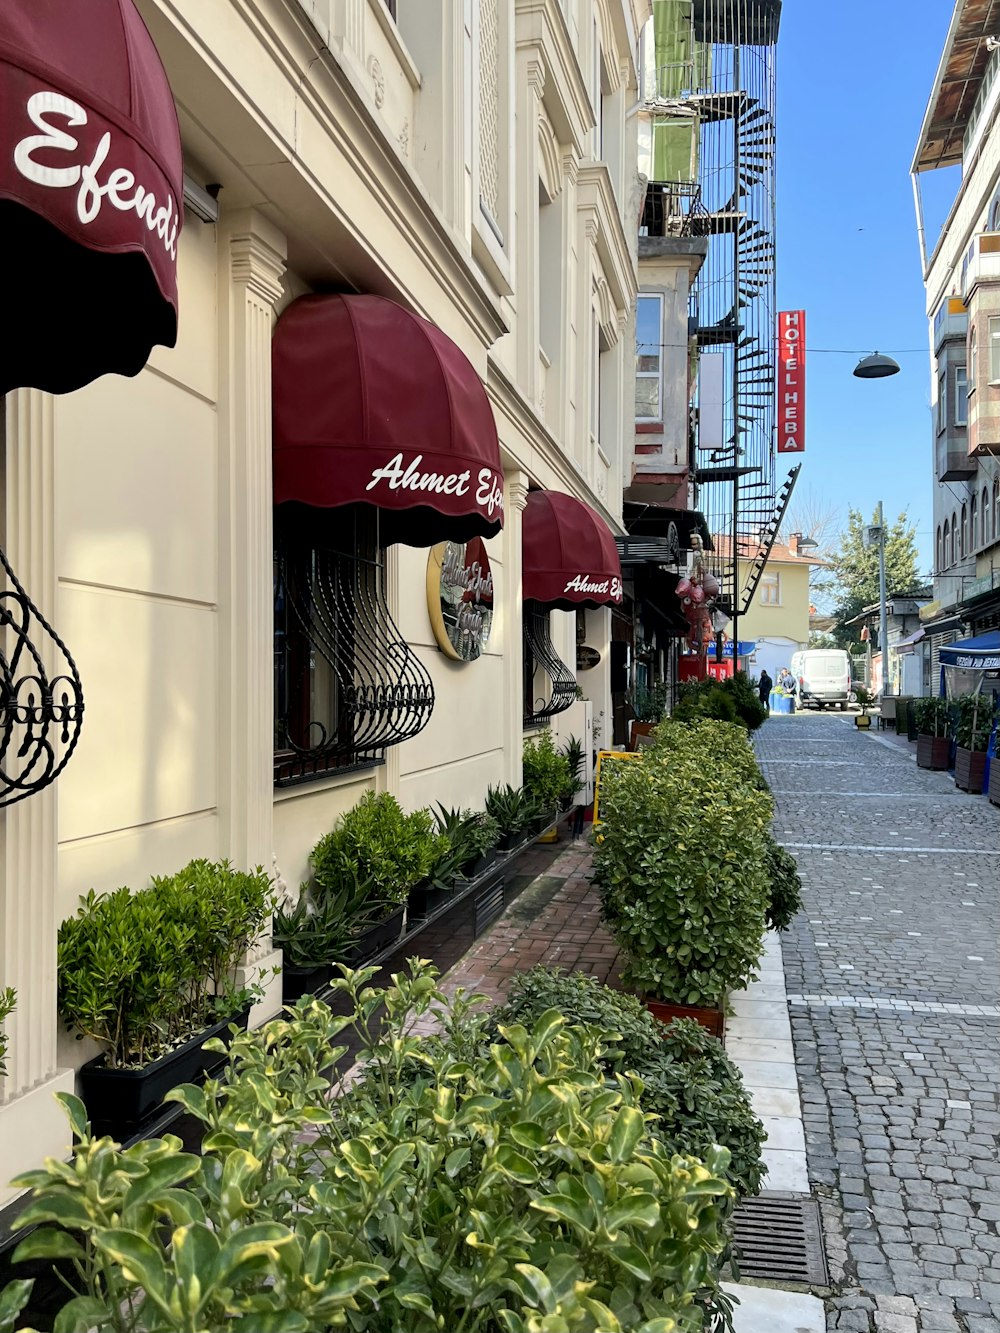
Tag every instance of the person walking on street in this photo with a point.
(764, 687)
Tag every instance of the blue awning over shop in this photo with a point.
(979, 654)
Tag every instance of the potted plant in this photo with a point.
(444, 876)
(933, 739)
(151, 976)
(473, 831)
(865, 702)
(515, 812)
(573, 753)
(324, 924)
(972, 733)
(389, 851)
(547, 776)
(682, 868)
(8, 1003)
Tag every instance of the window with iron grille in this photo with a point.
(543, 701)
(346, 685)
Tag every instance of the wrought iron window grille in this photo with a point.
(346, 684)
(540, 654)
(41, 708)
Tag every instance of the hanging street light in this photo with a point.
(876, 367)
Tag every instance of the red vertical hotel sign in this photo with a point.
(791, 382)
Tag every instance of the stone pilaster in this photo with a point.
(31, 1124)
(252, 260)
(515, 499)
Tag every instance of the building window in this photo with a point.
(974, 529)
(346, 685)
(942, 402)
(649, 358)
(961, 396)
(489, 106)
(954, 537)
(994, 350)
(938, 550)
(770, 590)
(549, 687)
(947, 550)
(963, 547)
(996, 508)
(984, 517)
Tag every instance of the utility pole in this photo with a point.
(883, 610)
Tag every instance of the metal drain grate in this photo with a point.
(779, 1237)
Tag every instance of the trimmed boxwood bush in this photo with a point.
(689, 1083)
(786, 887)
(682, 864)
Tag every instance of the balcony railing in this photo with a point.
(674, 208)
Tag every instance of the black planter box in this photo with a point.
(970, 770)
(481, 865)
(426, 898)
(117, 1099)
(299, 981)
(508, 841)
(376, 938)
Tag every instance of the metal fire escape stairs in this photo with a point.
(767, 538)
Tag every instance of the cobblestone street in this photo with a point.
(893, 975)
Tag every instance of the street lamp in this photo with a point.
(876, 533)
(876, 367)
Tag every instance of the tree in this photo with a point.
(810, 514)
(853, 577)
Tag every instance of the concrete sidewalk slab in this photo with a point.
(768, 1310)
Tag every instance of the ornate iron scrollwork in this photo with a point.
(347, 685)
(539, 652)
(41, 712)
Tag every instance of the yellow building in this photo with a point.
(777, 620)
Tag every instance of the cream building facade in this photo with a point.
(473, 160)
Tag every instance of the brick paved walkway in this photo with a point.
(556, 921)
(893, 974)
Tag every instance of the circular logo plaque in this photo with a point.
(460, 598)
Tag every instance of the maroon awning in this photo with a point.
(91, 193)
(375, 405)
(568, 554)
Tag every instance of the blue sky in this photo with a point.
(853, 83)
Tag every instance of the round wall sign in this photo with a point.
(586, 657)
(460, 598)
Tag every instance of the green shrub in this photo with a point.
(575, 756)
(932, 716)
(514, 809)
(323, 924)
(8, 1003)
(786, 886)
(389, 850)
(682, 863)
(139, 972)
(514, 1192)
(688, 1081)
(749, 709)
(547, 774)
(705, 699)
(976, 716)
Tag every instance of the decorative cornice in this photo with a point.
(542, 24)
(596, 199)
(517, 490)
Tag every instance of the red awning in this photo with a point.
(569, 557)
(91, 191)
(374, 405)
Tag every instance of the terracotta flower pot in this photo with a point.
(712, 1020)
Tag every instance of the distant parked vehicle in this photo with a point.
(822, 677)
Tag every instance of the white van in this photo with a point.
(822, 676)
